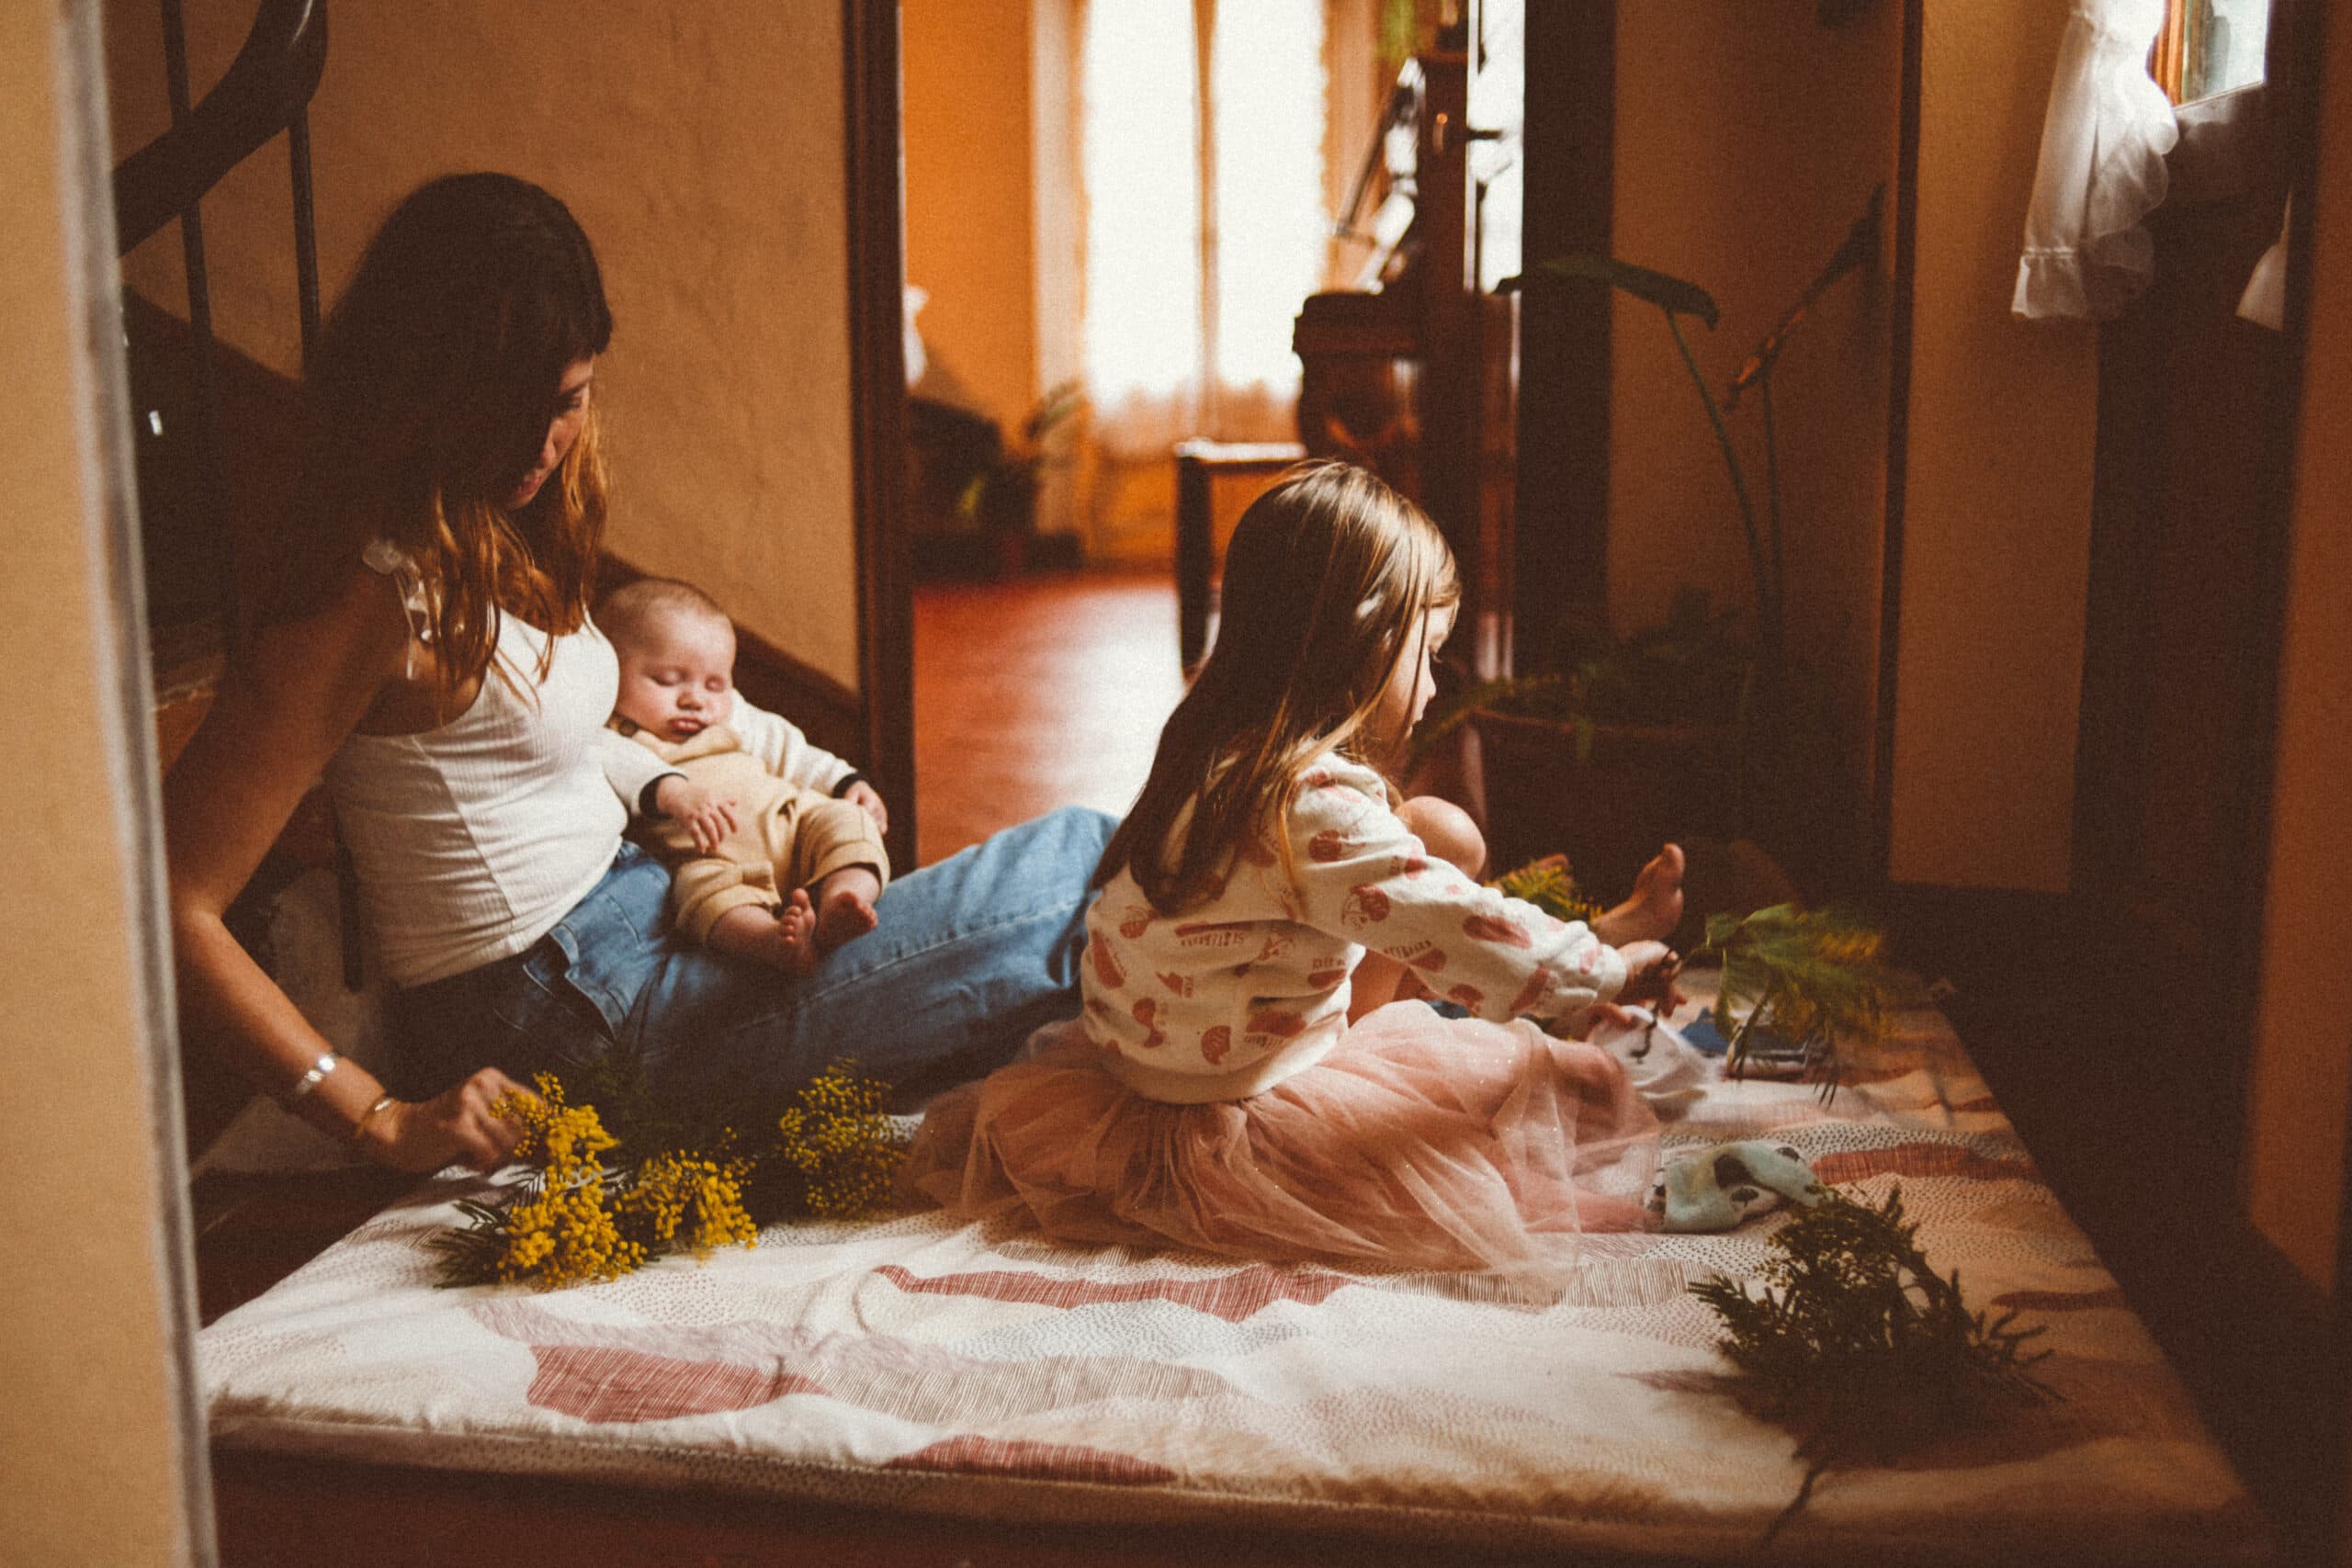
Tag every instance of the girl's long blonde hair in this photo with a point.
(435, 378)
(1326, 578)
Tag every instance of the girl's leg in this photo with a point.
(969, 956)
(1447, 832)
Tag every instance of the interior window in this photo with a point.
(2210, 47)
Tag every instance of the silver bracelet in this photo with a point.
(312, 1079)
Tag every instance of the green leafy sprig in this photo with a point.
(1549, 884)
(1817, 977)
(1859, 1347)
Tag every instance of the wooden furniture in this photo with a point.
(1199, 465)
(1413, 377)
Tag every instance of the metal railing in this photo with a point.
(267, 89)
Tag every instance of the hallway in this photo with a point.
(1037, 692)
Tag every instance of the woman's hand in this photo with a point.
(707, 816)
(457, 1125)
(1650, 969)
(866, 795)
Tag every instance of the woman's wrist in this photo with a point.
(315, 1075)
(377, 1129)
(349, 1105)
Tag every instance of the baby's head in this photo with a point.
(677, 656)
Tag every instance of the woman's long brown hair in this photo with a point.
(1326, 578)
(435, 378)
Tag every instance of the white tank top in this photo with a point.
(473, 840)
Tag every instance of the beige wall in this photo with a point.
(1749, 141)
(970, 207)
(1998, 507)
(2302, 1067)
(90, 1425)
(701, 148)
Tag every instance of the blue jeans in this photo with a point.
(971, 955)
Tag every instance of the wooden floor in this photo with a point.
(1034, 693)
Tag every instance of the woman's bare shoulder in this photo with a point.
(289, 698)
(352, 637)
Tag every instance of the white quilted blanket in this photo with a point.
(919, 1364)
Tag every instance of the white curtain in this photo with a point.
(1204, 232)
(2102, 169)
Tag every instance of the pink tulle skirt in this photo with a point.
(1420, 1142)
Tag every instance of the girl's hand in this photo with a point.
(1650, 969)
(456, 1125)
(706, 816)
(866, 795)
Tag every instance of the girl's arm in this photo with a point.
(1363, 876)
(283, 708)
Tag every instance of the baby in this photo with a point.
(775, 845)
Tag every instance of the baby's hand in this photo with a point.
(866, 795)
(1650, 969)
(706, 816)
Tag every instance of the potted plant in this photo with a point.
(1631, 742)
(1000, 499)
(1690, 727)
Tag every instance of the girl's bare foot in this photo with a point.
(1656, 907)
(844, 906)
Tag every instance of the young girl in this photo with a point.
(1241, 1082)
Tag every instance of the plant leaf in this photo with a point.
(1669, 293)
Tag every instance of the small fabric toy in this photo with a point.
(1659, 1062)
(1716, 1188)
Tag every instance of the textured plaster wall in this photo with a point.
(1749, 140)
(1998, 509)
(970, 209)
(702, 149)
(2302, 1070)
(90, 1468)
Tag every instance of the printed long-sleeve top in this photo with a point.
(634, 758)
(1235, 994)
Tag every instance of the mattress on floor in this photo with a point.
(919, 1364)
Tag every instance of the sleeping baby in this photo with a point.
(775, 844)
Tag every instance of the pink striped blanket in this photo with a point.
(916, 1363)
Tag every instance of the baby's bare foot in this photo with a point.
(1656, 907)
(797, 944)
(844, 909)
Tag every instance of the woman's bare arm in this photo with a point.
(283, 708)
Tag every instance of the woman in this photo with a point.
(429, 650)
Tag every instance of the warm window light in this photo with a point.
(2210, 47)
(1143, 201)
(1155, 337)
(1266, 79)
